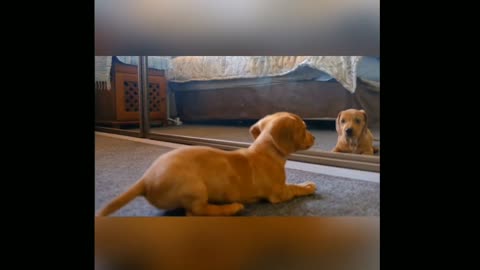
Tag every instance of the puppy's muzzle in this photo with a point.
(349, 132)
(309, 142)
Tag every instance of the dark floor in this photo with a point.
(119, 163)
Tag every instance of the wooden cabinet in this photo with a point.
(120, 105)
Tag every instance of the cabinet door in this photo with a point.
(128, 97)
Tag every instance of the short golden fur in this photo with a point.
(211, 182)
(353, 133)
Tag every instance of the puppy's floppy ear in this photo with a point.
(255, 130)
(259, 126)
(282, 132)
(337, 124)
(365, 127)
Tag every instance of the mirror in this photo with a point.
(220, 97)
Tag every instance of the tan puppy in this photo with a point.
(353, 133)
(197, 177)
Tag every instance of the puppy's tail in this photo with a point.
(134, 191)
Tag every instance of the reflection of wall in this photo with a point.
(368, 98)
(309, 99)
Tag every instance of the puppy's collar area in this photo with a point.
(354, 147)
(273, 149)
(279, 151)
(352, 143)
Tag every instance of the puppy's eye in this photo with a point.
(357, 121)
(343, 121)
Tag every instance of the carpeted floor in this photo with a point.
(119, 163)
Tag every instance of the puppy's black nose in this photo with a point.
(349, 131)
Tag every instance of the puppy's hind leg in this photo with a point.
(195, 202)
(203, 208)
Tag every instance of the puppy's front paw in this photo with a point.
(310, 186)
(237, 207)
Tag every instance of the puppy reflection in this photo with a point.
(353, 134)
